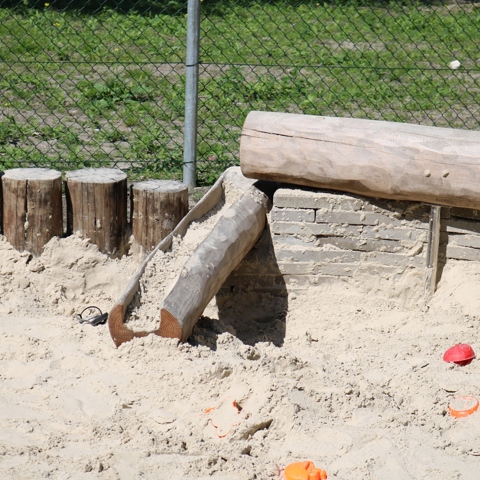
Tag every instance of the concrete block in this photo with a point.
(285, 241)
(360, 244)
(463, 253)
(254, 282)
(351, 218)
(401, 233)
(288, 215)
(337, 269)
(459, 225)
(297, 268)
(298, 198)
(306, 230)
(318, 256)
(472, 241)
(295, 282)
(377, 270)
(310, 268)
(393, 259)
(257, 267)
(367, 218)
(464, 213)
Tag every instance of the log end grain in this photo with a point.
(170, 327)
(26, 174)
(96, 175)
(118, 331)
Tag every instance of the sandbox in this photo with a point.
(321, 336)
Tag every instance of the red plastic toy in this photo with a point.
(461, 354)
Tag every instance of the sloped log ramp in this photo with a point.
(212, 262)
(32, 207)
(97, 207)
(120, 332)
(157, 208)
(367, 157)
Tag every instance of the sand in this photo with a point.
(353, 381)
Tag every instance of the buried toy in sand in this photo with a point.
(304, 471)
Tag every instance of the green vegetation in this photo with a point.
(107, 88)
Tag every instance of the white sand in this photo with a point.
(357, 384)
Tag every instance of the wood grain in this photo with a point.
(211, 263)
(97, 207)
(158, 207)
(32, 207)
(372, 158)
(120, 332)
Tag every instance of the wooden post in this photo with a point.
(432, 251)
(158, 207)
(368, 157)
(97, 207)
(32, 207)
(1, 204)
(212, 262)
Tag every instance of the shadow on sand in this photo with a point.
(252, 303)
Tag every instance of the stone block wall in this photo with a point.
(321, 234)
(460, 234)
(316, 237)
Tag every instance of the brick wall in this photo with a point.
(318, 236)
(460, 237)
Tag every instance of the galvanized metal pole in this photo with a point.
(191, 94)
(432, 251)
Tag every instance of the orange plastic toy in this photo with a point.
(225, 416)
(468, 405)
(304, 471)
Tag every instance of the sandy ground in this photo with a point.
(352, 381)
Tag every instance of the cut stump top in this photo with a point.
(97, 175)
(32, 174)
(161, 186)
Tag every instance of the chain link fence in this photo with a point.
(93, 84)
(103, 82)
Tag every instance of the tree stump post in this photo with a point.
(157, 208)
(32, 207)
(97, 207)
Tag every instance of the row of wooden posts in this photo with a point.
(32, 210)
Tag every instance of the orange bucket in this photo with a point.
(304, 471)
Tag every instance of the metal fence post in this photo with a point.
(191, 94)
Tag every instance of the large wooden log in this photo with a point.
(212, 262)
(97, 207)
(118, 329)
(32, 207)
(158, 207)
(373, 158)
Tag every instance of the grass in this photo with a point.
(107, 88)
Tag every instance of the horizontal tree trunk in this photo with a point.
(367, 157)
